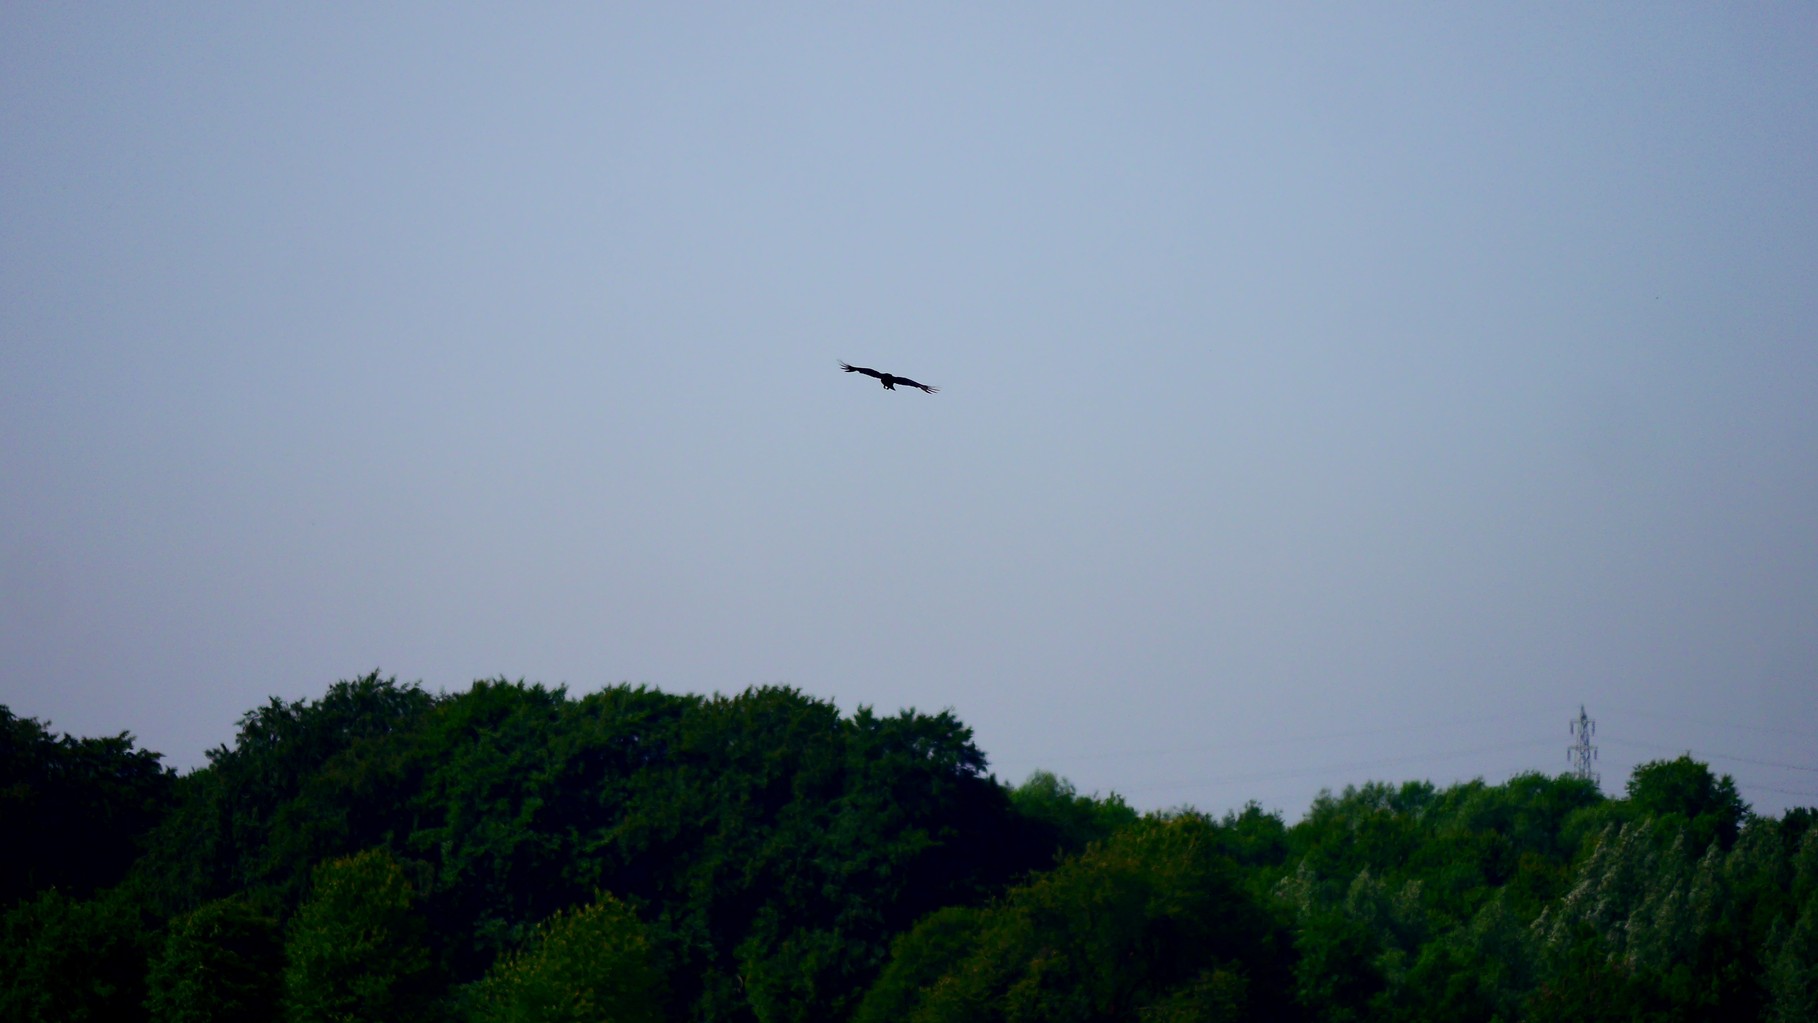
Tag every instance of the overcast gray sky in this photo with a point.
(1328, 392)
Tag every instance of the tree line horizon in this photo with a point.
(508, 852)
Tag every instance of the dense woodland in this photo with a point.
(511, 853)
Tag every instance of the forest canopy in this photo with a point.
(512, 853)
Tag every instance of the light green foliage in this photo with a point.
(1631, 893)
(1412, 903)
(583, 965)
(920, 959)
(356, 948)
(1671, 931)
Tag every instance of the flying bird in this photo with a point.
(889, 380)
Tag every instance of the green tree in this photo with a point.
(1413, 903)
(1649, 929)
(1254, 837)
(1791, 951)
(1685, 789)
(356, 948)
(1152, 923)
(1075, 820)
(75, 810)
(1792, 977)
(496, 815)
(774, 847)
(581, 965)
(919, 960)
(1215, 996)
(64, 960)
(222, 962)
(1338, 968)
(777, 847)
(1374, 826)
(303, 782)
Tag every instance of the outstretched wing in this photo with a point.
(906, 382)
(861, 369)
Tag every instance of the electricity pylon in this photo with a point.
(1581, 753)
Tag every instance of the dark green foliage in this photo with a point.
(1686, 790)
(920, 959)
(1791, 953)
(222, 962)
(511, 853)
(1375, 826)
(68, 961)
(785, 847)
(1153, 923)
(309, 781)
(1215, 996)
(1253, 837)
(72, 811)
(774, 847)
(304, 782)
(1075, 820)
(488, 812)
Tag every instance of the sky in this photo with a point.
(1327, 394)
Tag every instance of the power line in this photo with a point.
(1359, 765)
(1709, 723)
(1783, 792)
(1286, 740)
(1715, 756)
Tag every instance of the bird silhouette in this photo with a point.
(889, 380)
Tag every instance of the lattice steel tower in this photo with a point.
(1581, 753)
